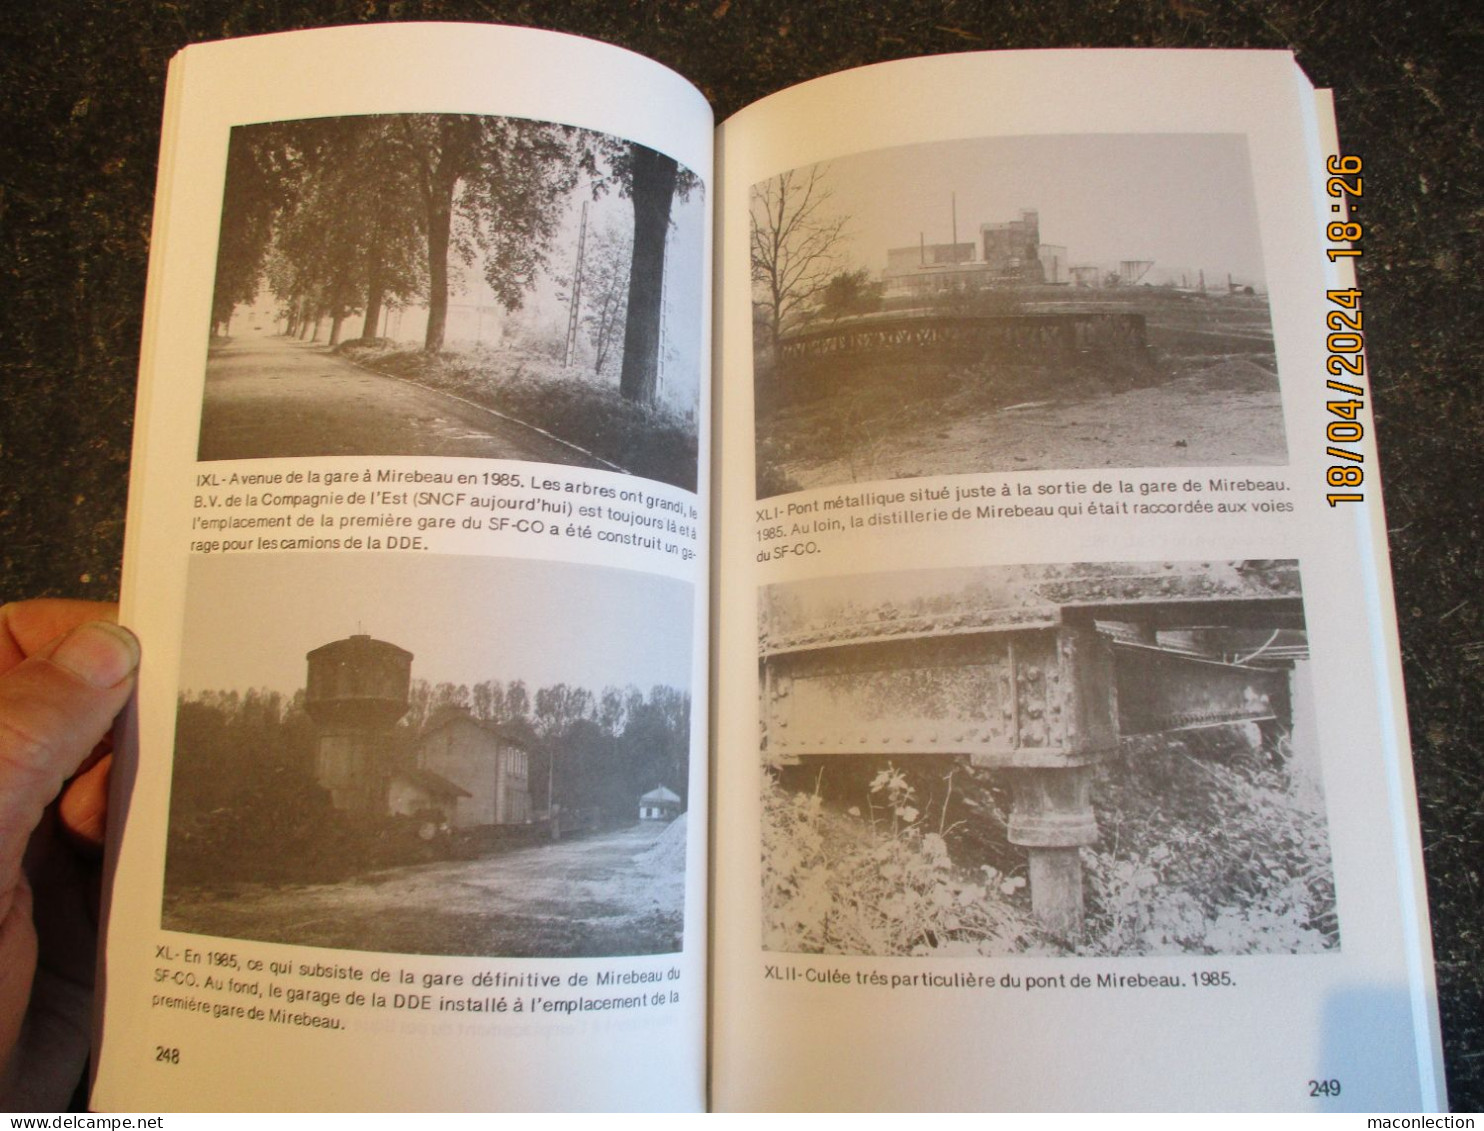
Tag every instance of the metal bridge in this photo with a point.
(1043, 687)
(1038, 336)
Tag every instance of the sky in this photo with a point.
(1185, 201)
(251, 618)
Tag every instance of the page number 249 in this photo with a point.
(1322, 1088)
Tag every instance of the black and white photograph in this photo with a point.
(456, 285)
(1012, 304)
(502, 775)
(1083, 759)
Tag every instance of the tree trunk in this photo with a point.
(443, 162)
(439, 223)
(373, 306)
(340, 308)
(653, 190)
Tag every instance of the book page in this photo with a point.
(1061, 751)
(417, 816)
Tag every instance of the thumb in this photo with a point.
(54, 708)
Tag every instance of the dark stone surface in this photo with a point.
(81, 83)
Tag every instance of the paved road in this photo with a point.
(272, 396)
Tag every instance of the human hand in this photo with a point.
(65, 672)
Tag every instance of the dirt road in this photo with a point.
(1179, 424)
(273, 396)
(612, 893)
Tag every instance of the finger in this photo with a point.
(54, 709)
(18, 951)
(84, 805)
(26, 627)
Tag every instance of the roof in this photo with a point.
(662, 796)
(360, 644)
(435, 785)
(448, 716)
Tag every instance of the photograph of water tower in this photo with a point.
(1012, 304)
(456, 284)
(501, 772)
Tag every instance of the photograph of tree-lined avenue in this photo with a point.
(1009, 304)
(452, 284)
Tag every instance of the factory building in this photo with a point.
(1011, 250)
(1007, 254)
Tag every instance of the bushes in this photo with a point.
(1201, 856)
(879, 883)
(1198, 854)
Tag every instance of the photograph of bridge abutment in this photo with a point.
(1089, 759)
(358, 767)
(1011, 304)
(460, 285)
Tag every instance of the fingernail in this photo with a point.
(103, 654)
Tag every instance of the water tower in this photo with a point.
(355, 691)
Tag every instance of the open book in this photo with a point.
(880, 605)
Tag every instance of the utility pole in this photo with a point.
(573, 313)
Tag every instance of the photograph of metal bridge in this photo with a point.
(1109, 758)
(1012, 304)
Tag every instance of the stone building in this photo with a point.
(490, 767)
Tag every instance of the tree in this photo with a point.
(244, 800)
(655, 745)
(486, 695)
(263, 173)
(796, 238)
(848, 293)
(315, 257)
(517, 702)
(327, 208)
(558, 707)
(508, 178)
(392, 226)
(652, 182)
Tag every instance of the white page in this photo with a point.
(874, 576)
(454, 987)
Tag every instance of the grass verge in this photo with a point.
(535, 389)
